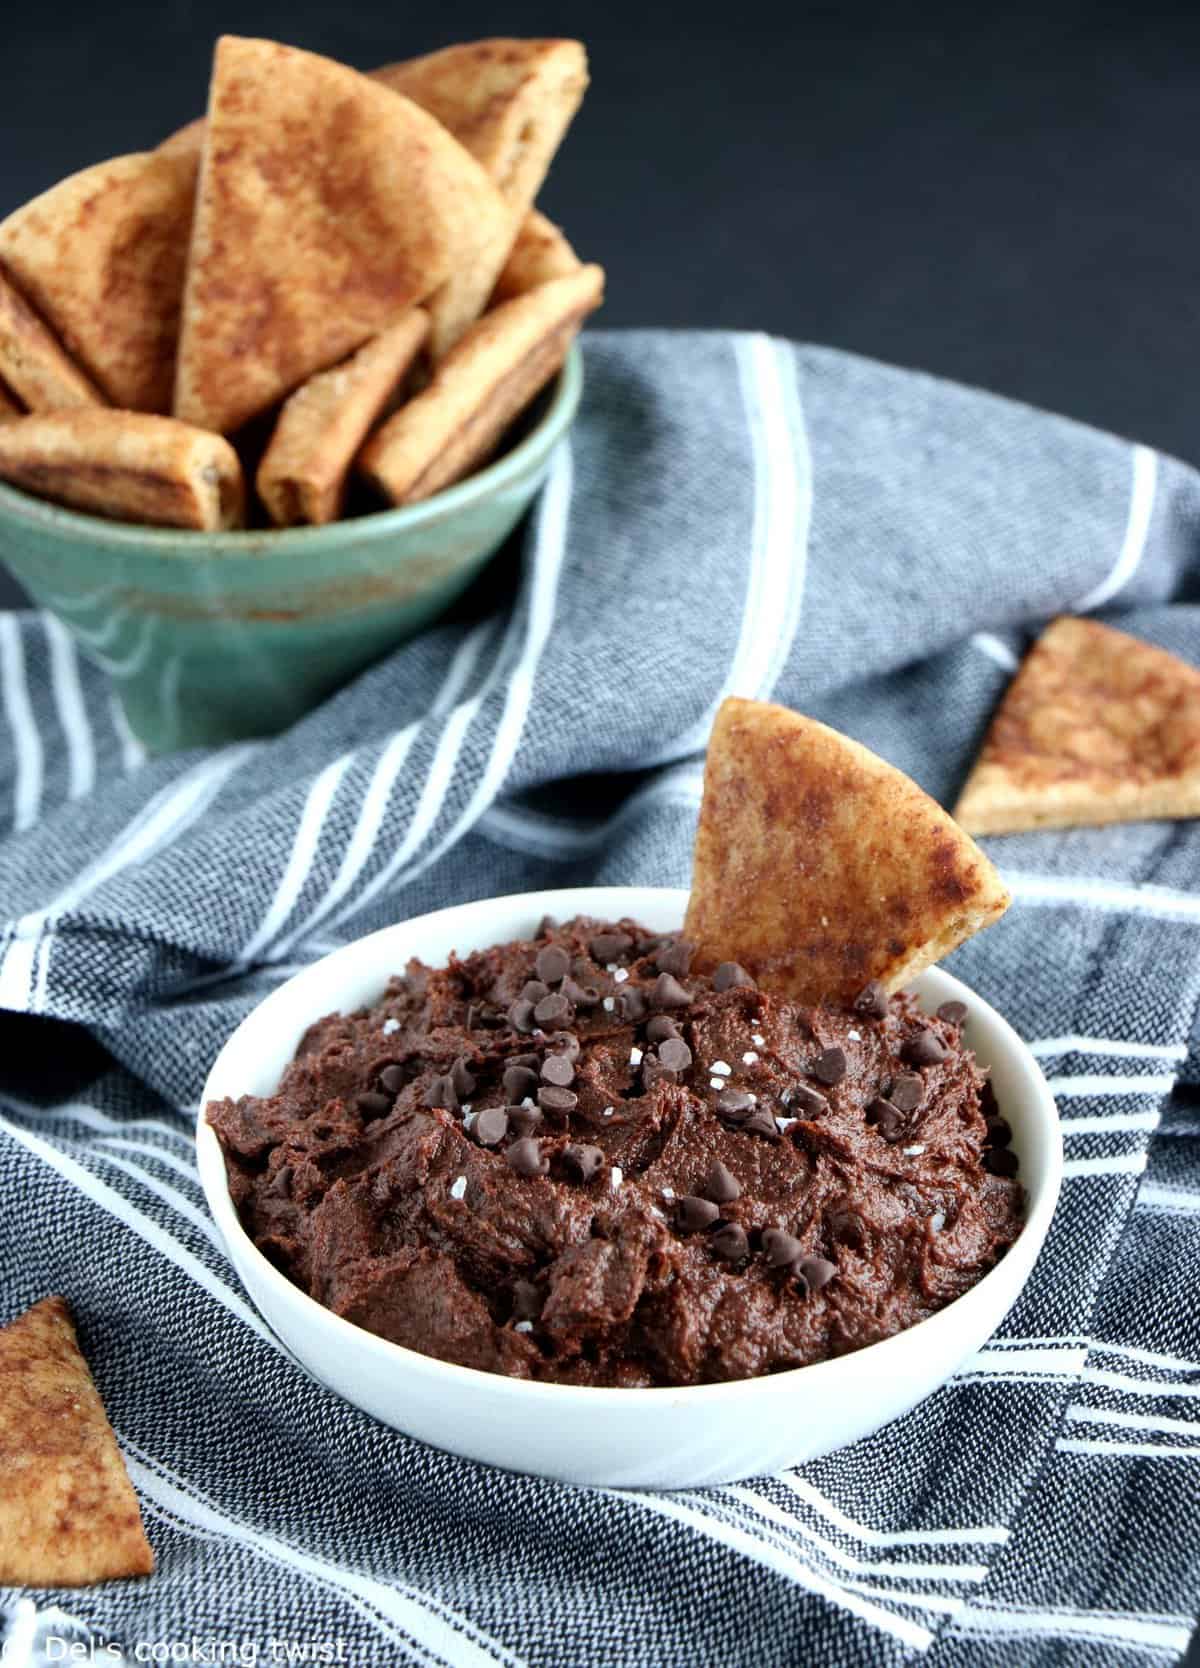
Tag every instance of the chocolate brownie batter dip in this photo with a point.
(575, 1158)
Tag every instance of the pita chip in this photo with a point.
(33, 363)
(101, 257)
(819, 867)
(185, 141)
(496, 369)
(68, 1513)
(327, 205)
(1096, 727)
(126, 465)
(8, 405)
(540, 253)
(508, 102)
(302, 476)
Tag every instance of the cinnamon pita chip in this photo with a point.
(457, 303)
(302, 477)
(509, 102)
(327, 206)
(33, 364)
(126, 465)
(101, 258)
(477, 390)
(540, 253)
(8, 405)
(1096, 727)
(68, 1514)
(185, 141)
(819, 867)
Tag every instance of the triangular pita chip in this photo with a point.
(33, 363)
(302, 476)
(540, 253)
(8, 405)
(68, 1515)
(1096, 727)
(508, 101)
(186, 141)
(101, 257)
(819, 867)
(499, 365)
(327, 206)
(127, 466)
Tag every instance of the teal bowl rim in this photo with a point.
(182, 543)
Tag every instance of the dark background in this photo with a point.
(1010, 199)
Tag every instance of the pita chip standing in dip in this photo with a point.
(602, 1156)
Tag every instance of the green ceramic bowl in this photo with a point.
(210, 637)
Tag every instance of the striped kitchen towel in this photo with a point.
(732, 514)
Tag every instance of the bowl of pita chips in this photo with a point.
(676, 1323)
(272, 394)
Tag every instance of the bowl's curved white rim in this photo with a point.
(211, 1166)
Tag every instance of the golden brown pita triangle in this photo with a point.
(68, 1515)
(326, 206)
(101, 258)
(1096, 727)
(819, 867)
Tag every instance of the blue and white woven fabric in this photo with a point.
(733, 514)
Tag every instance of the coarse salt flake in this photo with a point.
(617, 1177)
(854, 1036)
(635, 1056)
(465, 1108)
(914, 1152)
(786, 1123)
(721, 1068)
(459, 1188)
(749, 1058)
(390, 1025)
(937, 1221)
(620, 976)
(716, 1082)
(757, 1039)
(528, 1101)
(609, 1004)
(611, 966)
(668, 1192)
(523, 1326)
(608, 1112)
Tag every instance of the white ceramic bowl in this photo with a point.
(670, 1438)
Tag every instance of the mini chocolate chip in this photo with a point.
(829, 1068)
(735, 1104)
(372, 1105)
(805, 1102)
(490, 1126)
(533, 990)
(391, 1079)
(582, 996)
(988, 1104)
(817, 1272)
(525, 1157)
(660, 1028)
(675, 1054)
(520, 1015)
(923, 1050)
(631, 1005)
(907, 1091)
(557, 1100)
(720, 1184)
(552, 964)
(999, 1133)
(888, 1119)
(553, 1012)
(609, 946)
(871, 1001)
(781, 1250)
(558, 1070)
(583, 1163)
(953, 1012)
(462, 1079)
(761, 1123)
(730, 974)
(441, 1092)
(527, 1300)
(546, 925)
(523, 1120)
(695, 1214)
(519, 1081)
(731, 1243)
(1001, 1161)
(674, 956)
(669, 993)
